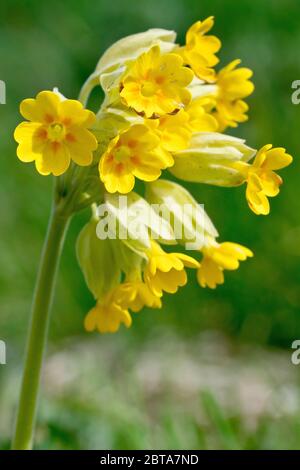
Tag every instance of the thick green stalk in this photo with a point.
(37, 338)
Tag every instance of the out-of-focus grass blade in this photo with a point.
(222, 425)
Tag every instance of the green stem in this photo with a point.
(37, 337)
(87, 87)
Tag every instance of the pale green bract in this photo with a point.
(209, 159)
(93, 254)
(187, 215)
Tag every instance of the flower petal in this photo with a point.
(55, 159)
(31, 143)
(81, 143)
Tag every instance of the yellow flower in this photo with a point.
(262, 181)
(133, 153)
(107, 316)
(200, 117)
(173, 130)
(233, 85)
(155, 84)
(165, 271)
(216, 258)
(200, 50)
(56, 134)
(135, 294)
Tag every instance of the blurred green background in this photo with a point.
(212, 369)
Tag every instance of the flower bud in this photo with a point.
(97, 260)
(190, 223)
(131, 219)
(130, 47)
(211, 159)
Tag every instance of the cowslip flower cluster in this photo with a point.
(165, 107)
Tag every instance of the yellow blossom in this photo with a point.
(165, 271)
(107, 315)
(135, 294)
(262, 181)
(233, 84)
(200, 116)
(155, 84)
(133, 153)
(216, 258)
(57, 132)
(173, 130)
(200, 50)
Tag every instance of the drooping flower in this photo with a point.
(165, 271)
(233, 85)
(107, 315)
(134, 294)
(200, 119)
(200, 50)
(173, 130)
(155, 84)
(133, 153)
(262, 181)
(57, 132)
(216, 258)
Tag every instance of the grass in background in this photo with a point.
(205, 394)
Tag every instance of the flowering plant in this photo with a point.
(165, 108)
